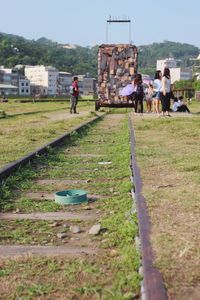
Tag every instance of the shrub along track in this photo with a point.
(44, 255)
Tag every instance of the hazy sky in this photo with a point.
(83, 22)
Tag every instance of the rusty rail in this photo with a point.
(154, 288)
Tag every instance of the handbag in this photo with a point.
(154, 94)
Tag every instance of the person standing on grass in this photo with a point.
(166, 92)
(157, 94)
(149, 97)
(74, 91)
(139, 93)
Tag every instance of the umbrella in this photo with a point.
(127, 90)
(146, 81)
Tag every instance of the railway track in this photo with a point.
(97, 161)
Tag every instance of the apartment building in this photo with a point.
(176, 73)
(89, 86)
(64, 82)
(8, 89)
(180, 74)
(9, 79)
(166, 63)
(9, 76)
(43, 76)
(24, 87)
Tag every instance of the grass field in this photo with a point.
(167, 150)
(12, 107)
(22, 134)
(111, 273)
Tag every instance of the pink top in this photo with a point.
(76, 90)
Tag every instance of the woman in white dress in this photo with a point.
(157, 90)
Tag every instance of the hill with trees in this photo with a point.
(16, 50)
(150, 53)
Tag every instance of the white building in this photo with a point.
(9, 76)
(176, 73)
(44, 76)
(180, 74)
(24, 87)
(166, 63)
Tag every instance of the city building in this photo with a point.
(89, 86)
(24, 87)
(166, 63)
(9, 76)
(38, 90)
(176, 73)
(80, 83)
(8, 89)
(43, 78)
(180, 74)
(42, 81)
(64, 81)
(9, 81)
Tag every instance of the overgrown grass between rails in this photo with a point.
(12, 184)
(104, 276)
(21, 178)
(29, 232)
(122, 227)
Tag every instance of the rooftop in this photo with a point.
(7, 86)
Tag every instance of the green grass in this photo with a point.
(167, 152)
(24, 134)
(29, 232)
(104, 275)
(14, 108)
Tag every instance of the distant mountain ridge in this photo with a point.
(16, 50)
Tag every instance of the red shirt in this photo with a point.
(76, 90)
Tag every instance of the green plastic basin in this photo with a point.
(71, 197)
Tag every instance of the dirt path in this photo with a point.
(59, 116)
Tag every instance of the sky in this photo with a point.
(84, 22)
